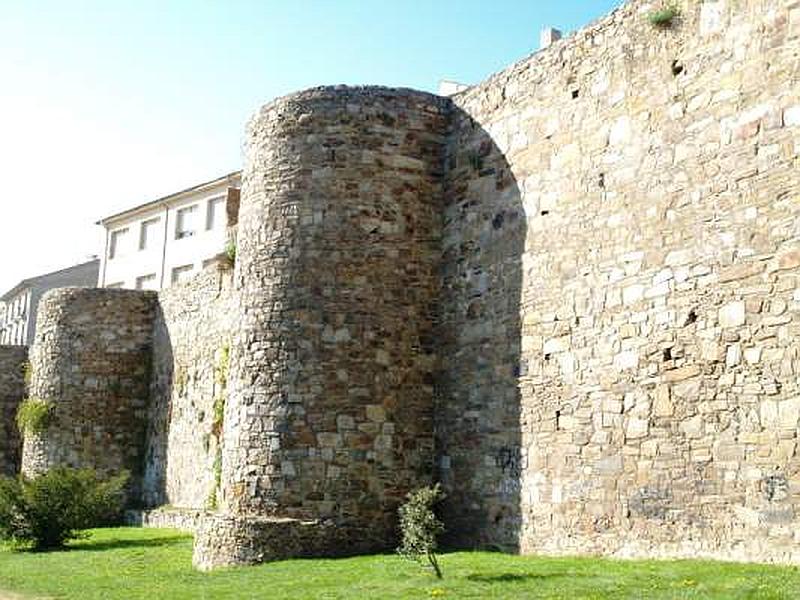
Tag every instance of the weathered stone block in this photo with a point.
(732, 314)
(662, 405)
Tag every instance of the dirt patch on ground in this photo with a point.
(13, 596)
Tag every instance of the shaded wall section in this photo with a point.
(479, 332)
(660, 308)
(330, 413)
(191, 349)
(13, 360)
(91, 359)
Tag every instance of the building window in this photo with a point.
(183, 273)
(215, 216)
(185, 222)
(117, 242)
(146, 282)
(147, 234)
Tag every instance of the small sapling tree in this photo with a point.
(420, 527)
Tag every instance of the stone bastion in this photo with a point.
(571, 294)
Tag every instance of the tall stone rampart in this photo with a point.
(570, 293)
(91, 361)
(659, 300)
(330, 412)
(12, 390)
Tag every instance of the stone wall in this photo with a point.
(659, 311)
(330, 409)
(225, 540)
(12, 390)
(571, 293)
(478, 400)
(91, 359)
(191, 345)
(167, 517)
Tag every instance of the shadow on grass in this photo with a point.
(96, 546)
(88, 545)
(511, 577)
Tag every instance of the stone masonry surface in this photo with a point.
(330, 413)
(166, 517)
(191, 344)
(570, 293)
(642, 263)
(91, 359)
(12, 391)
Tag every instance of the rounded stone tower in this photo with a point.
(91, 364)
(329, 414)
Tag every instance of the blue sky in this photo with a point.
(106, 104)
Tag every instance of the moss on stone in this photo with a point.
(34, 415)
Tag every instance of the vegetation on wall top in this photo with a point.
(664, 16)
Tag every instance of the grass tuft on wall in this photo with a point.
(34, 415)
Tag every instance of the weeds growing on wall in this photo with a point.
(664, 16)
(212, 503)
(230, 251)
(181, 379)
(34, 415)
(221, 379)
(27, 372)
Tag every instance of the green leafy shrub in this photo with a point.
(420, 527)
(663, 17)
(34, 415)
(49, 510)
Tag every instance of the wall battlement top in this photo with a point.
(339, 93)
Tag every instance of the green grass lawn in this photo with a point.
(153, 564)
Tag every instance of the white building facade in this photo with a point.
(166, 241)
(18, 306)
(14, 318)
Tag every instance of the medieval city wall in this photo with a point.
(91, 361)
(191, 353)
(570, 293)
(654, 172)
(12, 391)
